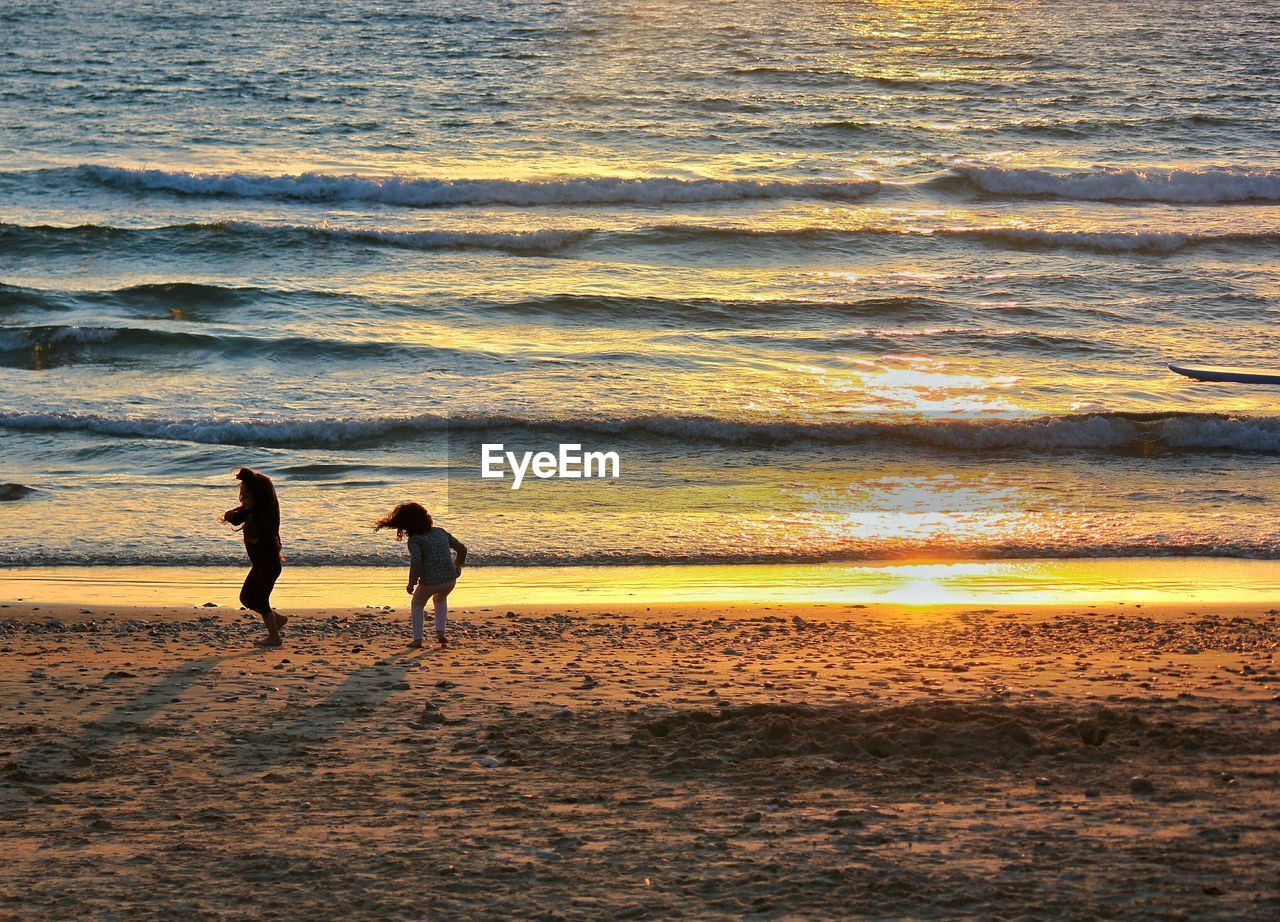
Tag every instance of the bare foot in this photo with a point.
(272, 640)
(415, 645)
(281, 621)
(440, 637)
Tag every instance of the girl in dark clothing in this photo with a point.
(259, 514)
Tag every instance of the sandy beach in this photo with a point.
(712, 761)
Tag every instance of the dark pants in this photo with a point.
(256, 593)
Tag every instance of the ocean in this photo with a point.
(837, 281)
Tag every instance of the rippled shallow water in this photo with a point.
(837, 281)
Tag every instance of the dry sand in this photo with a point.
(698, 763)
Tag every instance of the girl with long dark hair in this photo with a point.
(258, 515)
(436, 559)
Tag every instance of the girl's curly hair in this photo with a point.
(406, 519)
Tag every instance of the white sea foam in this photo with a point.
(1188, 186)
(195, 553)
(220, 430)
(552, 241)
(426, 192)
(1074, 432)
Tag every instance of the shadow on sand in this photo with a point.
(360, 695)
(53, 755)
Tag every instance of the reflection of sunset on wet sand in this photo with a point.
(1087, 583)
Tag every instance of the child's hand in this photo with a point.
(409, 588)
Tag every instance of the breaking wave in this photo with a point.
(1181, 186)
(249, 235)
(417, 192)
(93, 554)
(1103, 432)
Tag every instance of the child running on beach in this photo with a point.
(259, 515)
(433, 568)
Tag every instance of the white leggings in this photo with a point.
(439, 592)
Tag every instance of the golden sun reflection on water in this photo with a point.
(924, 385)
(915, 511)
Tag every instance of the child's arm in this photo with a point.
(235, 516)
(460, 549)
(415, 564)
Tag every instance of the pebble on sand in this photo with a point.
(1141, 786)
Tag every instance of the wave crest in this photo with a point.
(1110, 432)
(1262, 548)
(426, 192)
(1180, 186)
(250, 235)
(1206, 186)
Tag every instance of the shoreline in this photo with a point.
(1091, 582)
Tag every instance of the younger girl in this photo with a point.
(433, 570)
(259, 513)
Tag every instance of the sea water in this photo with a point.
(837, 281)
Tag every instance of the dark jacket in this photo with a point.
(261, 533)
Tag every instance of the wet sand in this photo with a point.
(698, 762)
